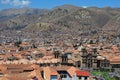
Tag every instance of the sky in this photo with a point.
(48, 4)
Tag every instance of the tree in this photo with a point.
(17, 43)
(91, 41)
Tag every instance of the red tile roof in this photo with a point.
(72, 71)
(82, 73)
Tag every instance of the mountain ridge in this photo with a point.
(65, 19)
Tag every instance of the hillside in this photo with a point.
(61, 20)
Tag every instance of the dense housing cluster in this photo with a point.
(56, 60)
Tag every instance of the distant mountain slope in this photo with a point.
(113, 24)
(18, 18)
(61, 20)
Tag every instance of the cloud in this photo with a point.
(20, 3)
(84, 6)
(5, 1)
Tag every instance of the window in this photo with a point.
(75, 56)
(84, 60)
(85, 78)
(63, 76)
(95, 60)
(79, 78)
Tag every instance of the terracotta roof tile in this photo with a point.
(82, 73)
